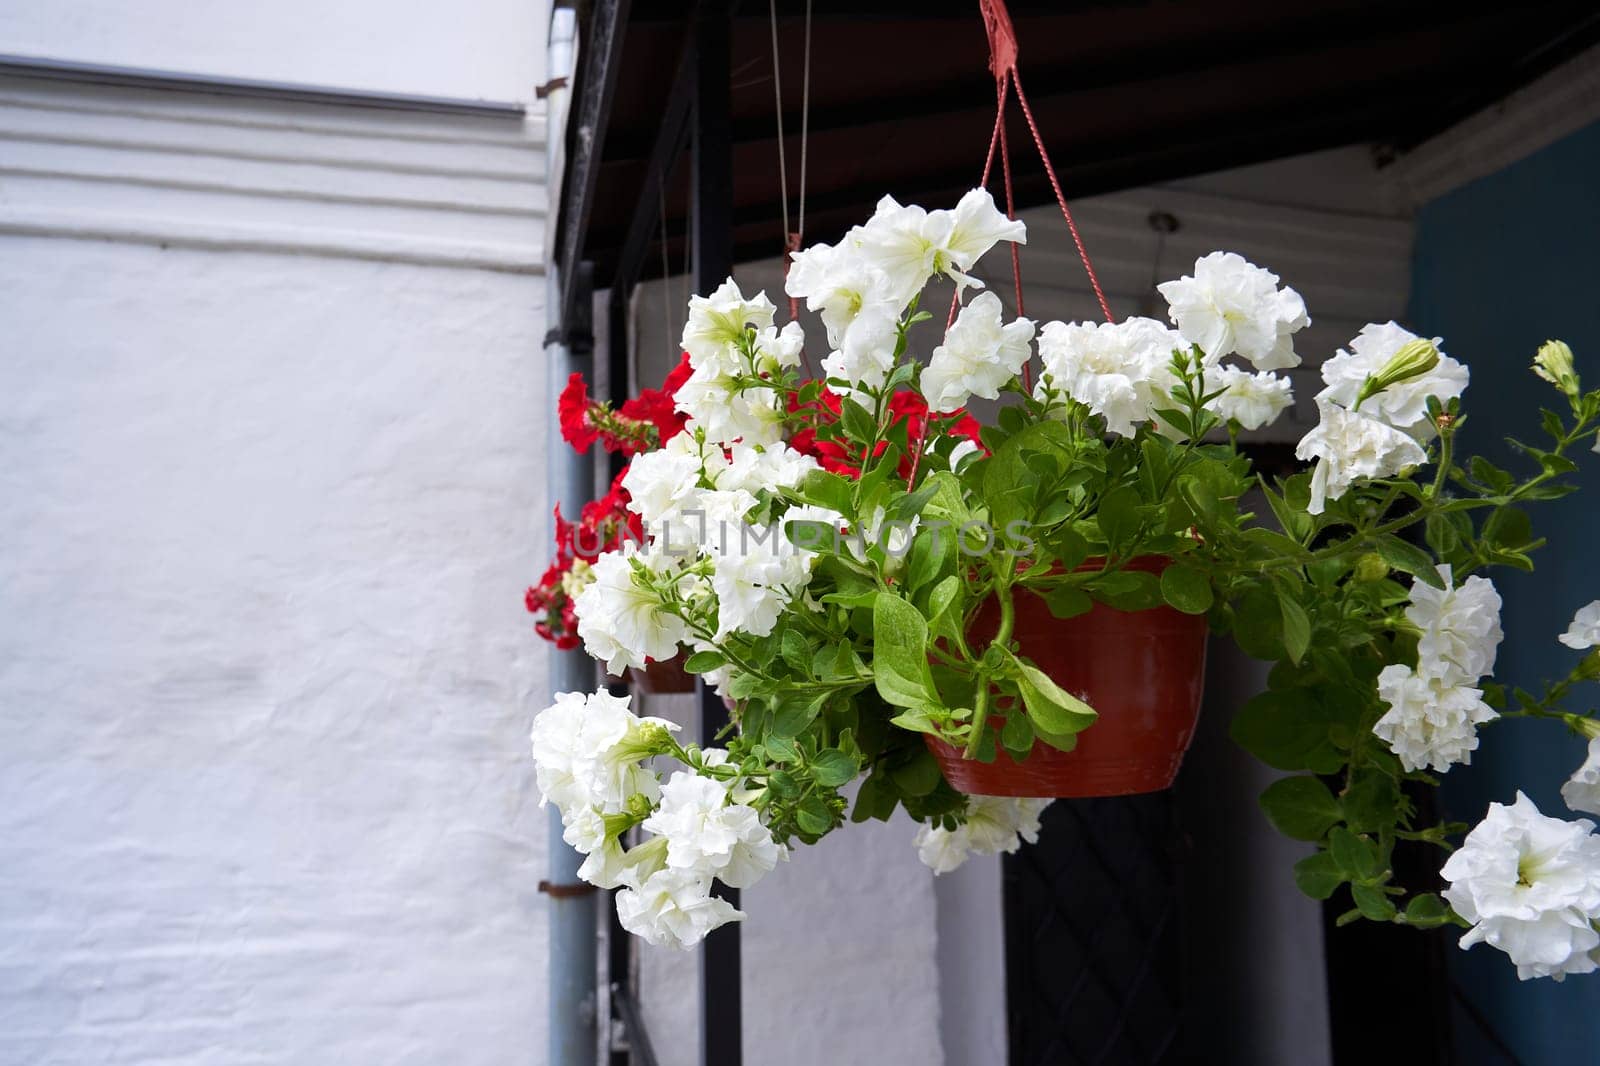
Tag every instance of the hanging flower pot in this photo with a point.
(1143, 671)
(667, 678)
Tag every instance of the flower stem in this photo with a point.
(1002, 637)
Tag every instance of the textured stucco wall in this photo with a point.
(491, 49)
(265, 678)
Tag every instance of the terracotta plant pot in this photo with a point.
(663, 678)
(1143, 671)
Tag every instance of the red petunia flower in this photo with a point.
(573, 408)
(905, 407)
(651, 407)
(678, 376)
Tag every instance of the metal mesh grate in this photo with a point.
(1093, 952)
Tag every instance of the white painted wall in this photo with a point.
(475, 49)
(271, 484)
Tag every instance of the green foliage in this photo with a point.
(886, 649)
(1300, 807)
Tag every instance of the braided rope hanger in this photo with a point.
(1003, 64)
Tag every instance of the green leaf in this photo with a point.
(933, 554)
(1357, 856)
(900, 653)
(1408, 557)
(1201, 500)
(916, 721)
(1300, 807)
(857, 421)
(948, 503)
(1157, 463)
(781, 748)
(942, 596)
(1288, 730)
(1127, 590)
(1296, 627)
(1016, 736)
(1486, 473)
(1053, 709)
(829, 490)
(1318, 875)
(794, 712)
(876, 798)
(702, 662)
(1187, 589)
(833, 768)
(1069, 546)
(813, 815)
(1119, 515)
(1068, 602)
(796, 651)
(1371, 802)
(1258, 625)
(919, 775)
(1294, 523)
(1058, 741)
(1427, 911)
(1372, 903)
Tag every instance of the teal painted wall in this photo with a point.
(1501, 265)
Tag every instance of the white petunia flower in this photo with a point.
(756, 571)
(1460, 627)
(726, 412)
(1230, 305)
(673, 908)
(1584, 632)
(942, 850)
(1349, 445)
(606, 866)
(565, 739)
(717, 322)
(1582, 790)
(980, 353)
(662, 484)
(904, 242)
(778, 348)
(909, 244)
(709, 835)
(994, 824)
(611, 866)
(1530, 886)
(621, 617)
(1403, 405)
(587, 752)
(1252, 400)
(1120, 371)
(584, 828)
(866, 353)
(1430, 722)
(977, 225)
(838, 283)
(765, 468)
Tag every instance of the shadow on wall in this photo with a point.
(1502, 265)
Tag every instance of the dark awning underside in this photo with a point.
(1126, 93)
